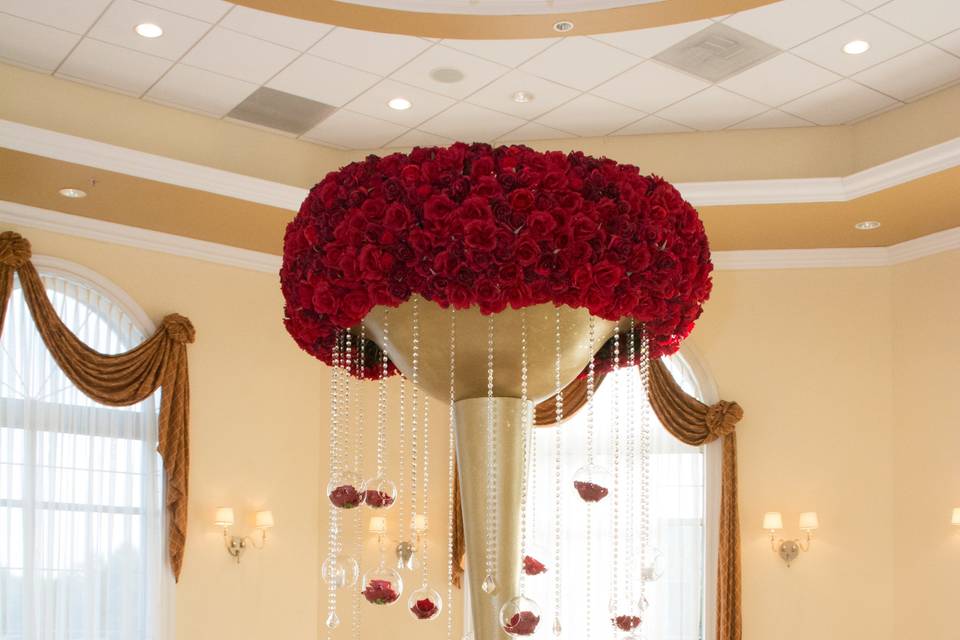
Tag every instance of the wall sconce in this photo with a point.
(378, 527)
(956, 517)
(790, 549)
(236, 545)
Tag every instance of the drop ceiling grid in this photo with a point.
(870, 88)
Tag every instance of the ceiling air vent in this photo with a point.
(283, 111)
(716, 53)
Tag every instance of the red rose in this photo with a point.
(437, 208)
(522, 624)
(532, 566)
(345, 496)
(397, 217)
(589, 491)
(410, 173)
(527, 252)
(424, 609)
(521, 199)
(480, 234)
(380, 592)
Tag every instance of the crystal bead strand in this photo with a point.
(616, 567)
(332, 620)
(489, 583)
(644, 459)
(557, 485)
(425, 484)
(451, 444)
(630, 568)
(526, 435)
(359, 362)
(403, 525)
(414, 408)
(382, 395)
(591, 370)
(343, 447)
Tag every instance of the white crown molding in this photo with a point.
(71, 225)
(61, 146)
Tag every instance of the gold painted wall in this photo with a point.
(816, 357)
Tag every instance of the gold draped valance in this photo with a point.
(160, 362)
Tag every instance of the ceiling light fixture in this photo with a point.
(73, 193)
(523, 96)
(856, 47)
(447, 75)
(867, 225)
(399, 104)
(562, 26)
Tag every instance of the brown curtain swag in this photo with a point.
(693, 423)
(160, 362)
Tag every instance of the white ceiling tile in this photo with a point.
(589, 115)
(416, 138)
(650, 42)
(950, 42)
(511, 53)
(534, 131)
(580, 63)
(912, 74)
(470, 123)
(650, 87)
(354, 130)
(788, 23)
(838, 103)
(290, 32)
(651, 124)
(476, 71)
(773, 119)
(927, 19)
(323, 81)
(714, 108)
(379, 53)
(112, 66)
(200, 90)
(867, 5)
(885, 42)
(239, 56)
(781, 79)
(34, 45)
(499, 95)
(424, 104)
(75, 16)
(206, 10)
(117, 24)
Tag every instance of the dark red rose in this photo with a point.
(437, 208)
(527, 252)
(410, 173)
(541, 223)
(380, 592)
(424, 609)
(522, 624)
(590, 492)
(345, 496)
(532, 566)
(378, 499)
(480, 235)
(626, 622)
(521, 199)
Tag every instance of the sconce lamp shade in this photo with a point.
(956, 516)
(772, 521)
(264, 519)
(378, 525)
(809, 521)
(419, 523)
(224, 517)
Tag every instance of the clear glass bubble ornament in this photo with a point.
(382, 586)
(519, 617)
(654, 566)
(592, 483)
(380, 493)
(626, 620)
(340, 571)
(345, 490)
(424, 604)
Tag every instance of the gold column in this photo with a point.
(471, 432)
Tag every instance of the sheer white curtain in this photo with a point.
(677, 508)
(82, 537)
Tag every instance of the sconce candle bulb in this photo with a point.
(956, 517)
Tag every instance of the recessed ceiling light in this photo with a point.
(149, 30)
(867, 225)
(563, 26)
(856, 47)
(399, 104)
(446, 75)
(523, 96)
(73, 193)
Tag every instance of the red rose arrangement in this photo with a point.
(626, 623)
(380, 592)
(590, 492)
(532, 566)
(474, 225)
(378, 499)
(346, 497)
(424, 609)
(523, 623)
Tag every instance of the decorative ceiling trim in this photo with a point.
(79, 226)
(61, 146)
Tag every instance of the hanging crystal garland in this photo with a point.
(557, 480)
(406, 551)
(534, 559)
(644, 466)
(382, 585)
(520, 615)
(345, 486)
(334, 573)
(451, 472)
(359, 364)
(489, 582)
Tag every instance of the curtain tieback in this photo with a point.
(14, 249)
(179, 328)
(722, 419)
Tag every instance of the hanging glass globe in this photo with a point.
(519, 617)
(345, 490)
(380, 493)
(340, 571)
(626, 619)
(382, 586)
(592, 483)
(535, 561)
(654, 566)
(425, 604)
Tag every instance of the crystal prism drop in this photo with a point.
(489, 584)
(332, 620)
(643, 603)
(556, 627)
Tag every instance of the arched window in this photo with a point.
(680, 525)
(82, 538)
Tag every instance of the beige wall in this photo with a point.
(837, 421)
